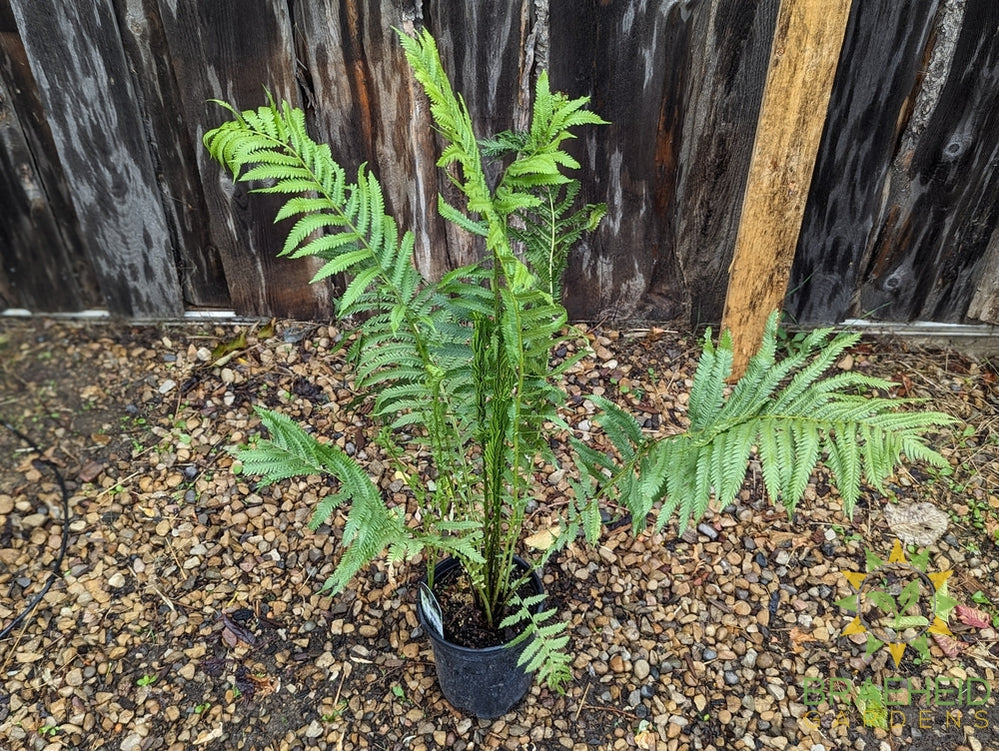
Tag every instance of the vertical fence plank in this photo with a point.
(681, 84)
(26, 226)
(83, 80)
(42, 254)
(361, 99)
(618, 54)
(941, 209)
(718, 109)
(985, 302)
(231, 50)
(202, 276)
(884, 48)
(483, 48)
(806, 47)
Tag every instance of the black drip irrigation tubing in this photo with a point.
(57, 568)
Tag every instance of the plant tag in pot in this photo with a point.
(431, 610)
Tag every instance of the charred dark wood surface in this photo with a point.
(681, 84)
(109, 104)
(231, 50)
(174, 155)
(943, 200)
(43, 264)
(83, 80)
(885, 46)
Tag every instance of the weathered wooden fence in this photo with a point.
(108, 200)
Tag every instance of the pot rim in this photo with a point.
(459, 647)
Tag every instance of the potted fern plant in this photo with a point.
(459, 370)
(466, 391)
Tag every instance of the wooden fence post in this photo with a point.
(803, 61)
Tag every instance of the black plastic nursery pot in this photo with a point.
(486, 682)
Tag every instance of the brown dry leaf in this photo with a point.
(973, 616)
(799, 637)
(948, 644)
(264, 685)
(916, 523)
(208, 736)
(229, 638)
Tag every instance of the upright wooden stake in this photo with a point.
(803, 60)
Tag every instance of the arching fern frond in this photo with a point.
(792, 414)
(371, 526)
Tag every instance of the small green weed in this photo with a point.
(146, 680)
(335, 714)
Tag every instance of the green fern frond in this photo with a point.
(544, 644)
(793, 413)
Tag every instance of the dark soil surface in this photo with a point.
(185, 613)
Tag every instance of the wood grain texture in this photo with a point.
(618, 55)
(27, 275)
(42, 254)
(361, 99)
(174, 158)
(985, 302)
(231, 50)
(77, 61)
(806, 48)
(884, 49)
(725, 74)
(681, 84)
(930, 244)
(900, 222)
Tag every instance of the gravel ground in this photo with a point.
(185, 614)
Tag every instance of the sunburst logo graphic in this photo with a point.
(898, 603)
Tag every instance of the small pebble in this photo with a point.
(641, 669)
(708, 531)
(731, 677)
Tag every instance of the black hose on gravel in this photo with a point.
(57, 568)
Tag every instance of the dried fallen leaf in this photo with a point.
(973, 616)
(799, 637)
(236, 631)
(208, 736)
(544, 539)
(948, 644)
(916, 523)
(264, 685)
(229, 638)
